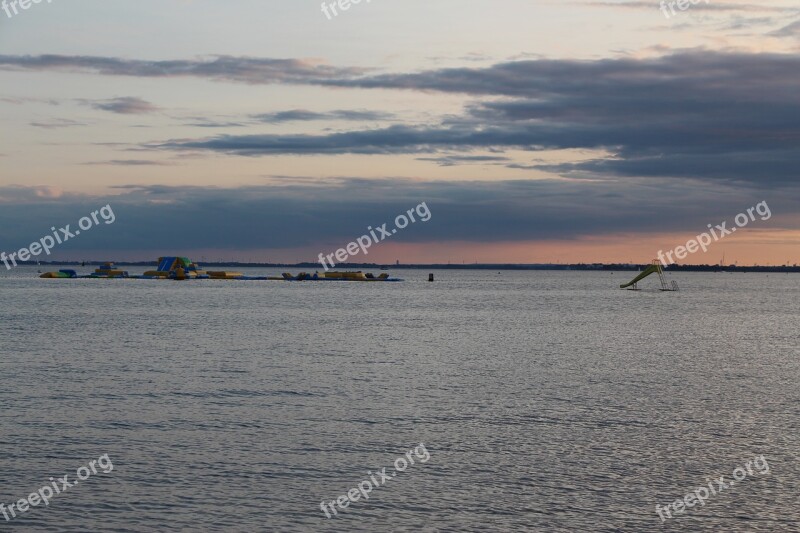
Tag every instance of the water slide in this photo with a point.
(166, 264)
(652, 269)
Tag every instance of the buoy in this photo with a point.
(430, 277)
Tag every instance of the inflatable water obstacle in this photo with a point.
(182, 268)
(338, 276)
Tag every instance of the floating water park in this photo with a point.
(182, 268)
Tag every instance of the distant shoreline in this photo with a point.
(608, 267)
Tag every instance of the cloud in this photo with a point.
(397, 139)
(708, 6)
(38, 194)
(454, 160)
(296, 215)
(702, 114)
(291, 115)
(219, 68)
(57, 123)
(22, 100)
(551, 78)
(298, 115)
(129, 163)
(693, 113)
(202, 122)
(126, 105)
(792, 30)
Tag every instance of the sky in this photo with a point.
(534, 131)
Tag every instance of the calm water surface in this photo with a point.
(548, 401)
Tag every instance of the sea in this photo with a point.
(543, 400)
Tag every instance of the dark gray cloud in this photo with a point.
(203, 122)
(397, 139)
(220, 68)
(129, 163)
(770, 167)
(292, 115)
(455, 160)
(678, 74)
(126, 105)
(732, 116)
(696, 113)
(292, 214)
(302, 115)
